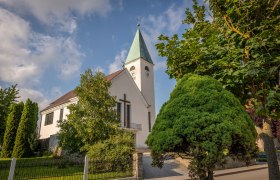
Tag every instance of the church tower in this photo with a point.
(141, 67)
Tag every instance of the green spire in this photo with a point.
(138, 49)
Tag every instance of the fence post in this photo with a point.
(86, 168)
(12, 169)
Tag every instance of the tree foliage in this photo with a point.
(113, 154)
(93, 118)
(204, 122)
(26, 130)
(11, 129)
(7, 97)
(239, 47)
(68, 137)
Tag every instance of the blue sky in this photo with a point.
(46, 45)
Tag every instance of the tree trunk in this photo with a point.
(267, 137)
(210, 175)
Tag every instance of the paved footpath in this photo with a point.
(172, 170)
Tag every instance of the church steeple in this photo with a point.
(138, 49)
(141, 68)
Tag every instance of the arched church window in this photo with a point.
(132, 68)
(146, 68)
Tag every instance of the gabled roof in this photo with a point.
(71, 94)
(138, 49)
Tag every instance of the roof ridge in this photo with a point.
(62, 96)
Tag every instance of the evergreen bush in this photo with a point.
(11, 129)
(26, 130)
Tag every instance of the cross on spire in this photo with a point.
(138, 23)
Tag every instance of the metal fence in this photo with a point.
(109, 169)
(63, 168)
(4, 168)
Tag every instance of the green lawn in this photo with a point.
(49, 168)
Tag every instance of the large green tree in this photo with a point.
(93, 118)
(7, 97)
(240, 48)
(204, 122)
(26, 130)
(11, 129)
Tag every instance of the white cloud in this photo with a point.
(175, 17)
(15, 35)
(34, 95)
(99, 69)
(56, 91)
(59, 13)
(25, 55)
(153, 26)
(119, 60)
(70, 58)
(68, 25)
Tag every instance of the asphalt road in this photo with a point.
(172, 170)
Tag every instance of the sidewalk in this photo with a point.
(220, 173)
(240, 170)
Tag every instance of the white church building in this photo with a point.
(133, 87)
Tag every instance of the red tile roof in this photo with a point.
(71, 94)
(113, 75)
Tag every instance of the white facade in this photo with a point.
(47, 130)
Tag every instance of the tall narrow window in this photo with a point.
(119, 110)
(128, 115)
(61, 114)
(149, 121)
(49, 119)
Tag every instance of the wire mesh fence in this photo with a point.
(5, 168)
(46, 168)
(65, 169)
(110, 169)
